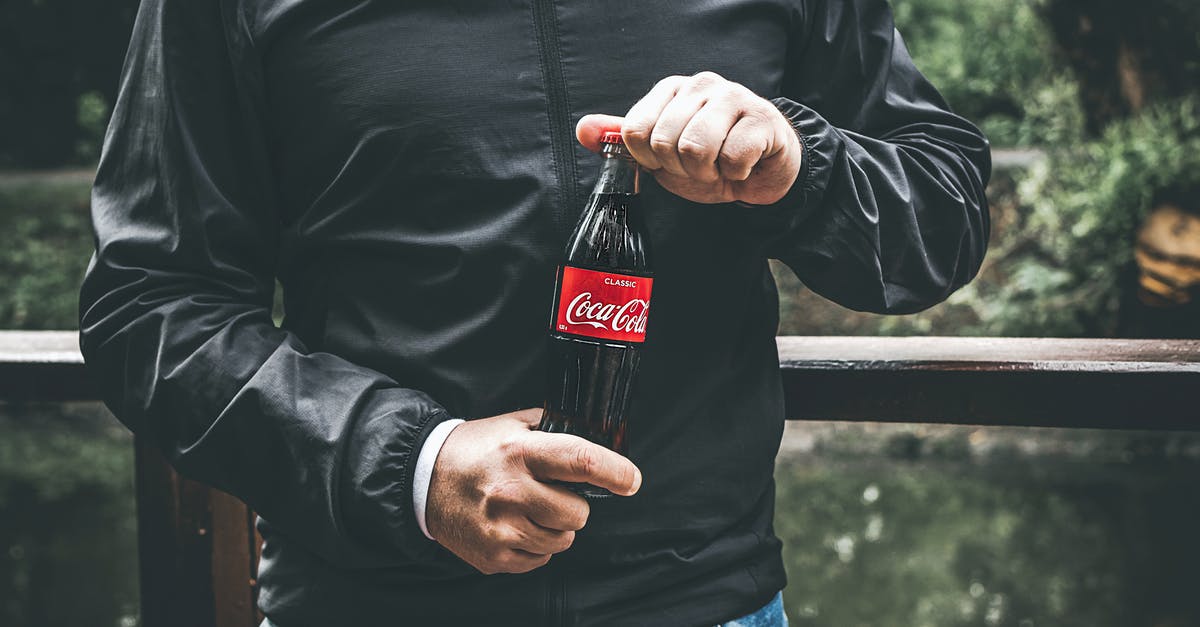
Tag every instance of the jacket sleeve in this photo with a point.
(175, 310)
(888, 213)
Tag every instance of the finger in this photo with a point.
(555, 507)
(533, 538)
(664, 139)
(531, 417)
(564, 457)
(592, 127)
(640, 120)
(701, 141)
(516, 561)
(744, 147)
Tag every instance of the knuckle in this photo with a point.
(693, 149)
(565, 541)
(758, 117)
(661, 143)
(671, 81)
(584, 460)
(636, 130)
(745, 94)
(491, 534)
(706, 79)
(513, 447)
(727, 99)
(514, 537)
(504, 492)
(736, 153)
(731, 157)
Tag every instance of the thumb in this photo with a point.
(563, 457)
(591, 127)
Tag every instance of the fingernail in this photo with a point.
(637, 481)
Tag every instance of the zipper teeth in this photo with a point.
(558, 111)
(558, 108)
(562, 599)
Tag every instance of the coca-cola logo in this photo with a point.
(627, 318)
(603, 305)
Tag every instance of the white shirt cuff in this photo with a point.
(424, 471)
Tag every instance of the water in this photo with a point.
(888, 526)
(959, 526)
(68, 526)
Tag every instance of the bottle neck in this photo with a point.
(619, 173)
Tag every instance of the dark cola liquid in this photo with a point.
(590, 380)
(592, 390)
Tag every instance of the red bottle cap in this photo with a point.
(611, 137)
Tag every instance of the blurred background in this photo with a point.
(1093, 111)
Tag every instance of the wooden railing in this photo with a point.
(199, 552)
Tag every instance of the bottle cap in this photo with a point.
(611, 137)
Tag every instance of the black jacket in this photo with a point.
(407, 171)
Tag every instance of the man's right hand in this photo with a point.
(489, 500)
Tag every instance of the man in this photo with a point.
(408, 173)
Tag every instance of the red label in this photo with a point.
(603, 305)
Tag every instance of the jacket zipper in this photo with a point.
(562, 140)
(558, 110)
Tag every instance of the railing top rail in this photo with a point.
(39, 347)
(837, 353)
(1006, 354)
(1119, 384)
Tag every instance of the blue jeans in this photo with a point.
(769, 615)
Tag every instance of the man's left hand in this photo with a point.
(706, 139)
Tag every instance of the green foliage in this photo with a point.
(993, 61)
(1059, 276)
(1050, 116)
(92, 118)
(1062, 232)
(58, 58)
(45, 244)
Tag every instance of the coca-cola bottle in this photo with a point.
(601, 303)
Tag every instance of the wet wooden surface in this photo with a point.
(1109, 384)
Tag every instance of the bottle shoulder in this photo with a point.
(584, 264)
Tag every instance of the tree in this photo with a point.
(1127, 55)
(52, 53)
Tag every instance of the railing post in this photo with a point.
(184, 582)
